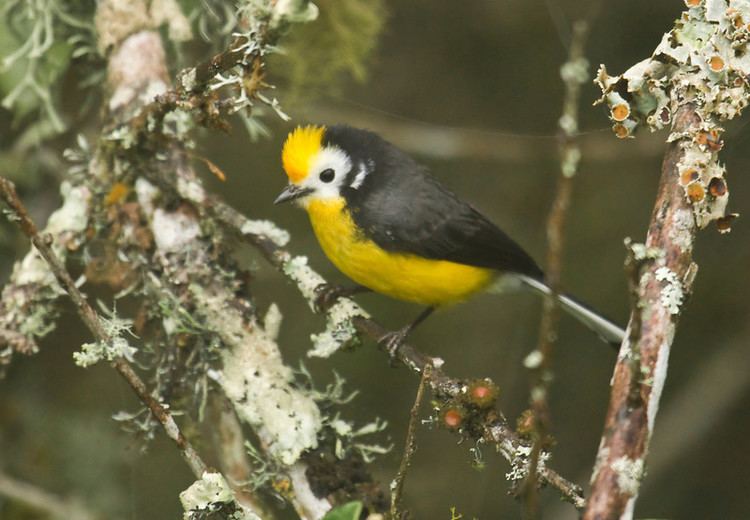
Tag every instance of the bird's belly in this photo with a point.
(402, 276)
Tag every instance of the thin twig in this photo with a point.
(410, 447)
(574, 74)
(92, 321)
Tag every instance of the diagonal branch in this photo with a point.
(493, 427)
(43, 244)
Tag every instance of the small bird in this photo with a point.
(390, 226)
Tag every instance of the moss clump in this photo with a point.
(339, 42)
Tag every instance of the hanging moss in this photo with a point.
(338, 44)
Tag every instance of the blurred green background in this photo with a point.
(472, 89)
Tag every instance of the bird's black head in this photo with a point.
(331, 162)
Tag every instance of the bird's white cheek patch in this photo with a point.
(329, 157)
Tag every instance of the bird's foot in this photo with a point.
(392, 341)
(326, 295)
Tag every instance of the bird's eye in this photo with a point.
(327, 175)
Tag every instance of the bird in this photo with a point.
(386, 223)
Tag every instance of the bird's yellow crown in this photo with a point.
(301, 145)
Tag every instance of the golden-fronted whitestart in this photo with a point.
(391, 227)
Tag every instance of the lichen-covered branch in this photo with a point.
(28, 308)
(166, 252)
(149, 229)
(641, 367)
(188, 271)
(697, 77)
(347, 321)
(43, 244)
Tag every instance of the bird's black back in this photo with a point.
(404, 209)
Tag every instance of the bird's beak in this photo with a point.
(291, 192)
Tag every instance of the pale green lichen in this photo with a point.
(570, 159)
(601, 459)
(186, 79)
(703, 60)
(629, 474)
(52, 32)
(28, 298)
(255, 379)
(347, 438)
(212, 494)
(117, 346)
(304, 276)
(173, 230)
(92, 353)
(681, 233)
(642, 252)
(272, 321)
(520, 457)
(266, 228)
(261, 22)
(671, 295)
(339, 331)
(178, 124)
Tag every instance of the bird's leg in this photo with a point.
(392, 341)
(326, 294)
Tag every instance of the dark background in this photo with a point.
(473, 90)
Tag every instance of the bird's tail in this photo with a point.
(604, 328)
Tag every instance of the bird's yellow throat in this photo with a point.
(402, 276)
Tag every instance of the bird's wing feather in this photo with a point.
(409, 211)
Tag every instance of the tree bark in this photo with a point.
(661, 278)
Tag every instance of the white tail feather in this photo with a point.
(606, 330)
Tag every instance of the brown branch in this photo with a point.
(641, 367)
(92, 321)
(232, 454)
(574, 74)
(410, 447)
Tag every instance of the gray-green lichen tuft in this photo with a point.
(211, 495)
(339, 331)
(117, 347)
(703, 60)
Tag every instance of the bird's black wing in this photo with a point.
(402, 208)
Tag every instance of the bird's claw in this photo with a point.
(392, 341)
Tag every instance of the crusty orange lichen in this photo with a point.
(696, 192)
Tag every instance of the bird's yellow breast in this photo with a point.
(402, 276)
